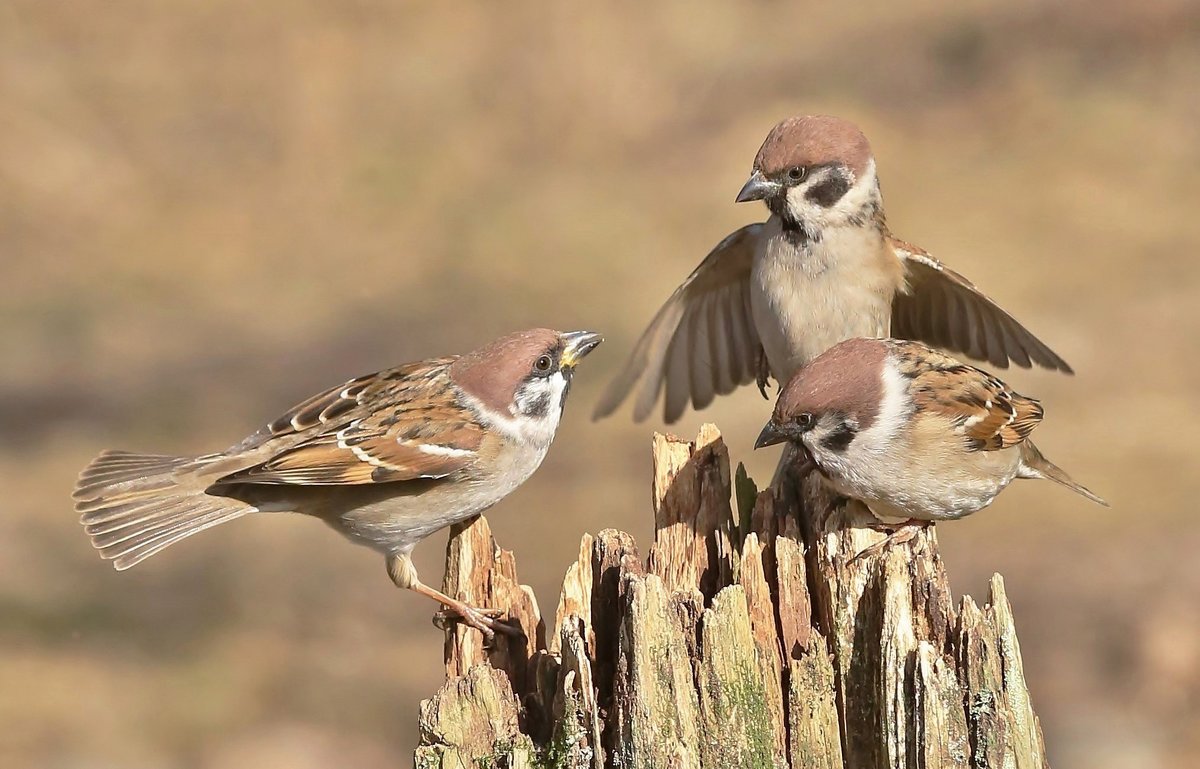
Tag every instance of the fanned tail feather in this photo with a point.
(134, 505)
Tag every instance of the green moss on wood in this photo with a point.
(733, 695)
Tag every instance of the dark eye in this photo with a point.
(797, 173)
(543, 364)
(805, 420)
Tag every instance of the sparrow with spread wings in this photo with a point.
(823, 268)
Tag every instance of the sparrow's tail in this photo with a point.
(1034, 465)
(133, 505)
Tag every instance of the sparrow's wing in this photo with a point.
(397, 425)
(989, 414)
(701, 343)
(942, 308)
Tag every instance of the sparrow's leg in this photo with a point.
(897, 535)
(402, 571)
(763, 377)
(483, 620)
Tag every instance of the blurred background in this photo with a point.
(211, 209)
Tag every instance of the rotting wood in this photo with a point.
(745, 639)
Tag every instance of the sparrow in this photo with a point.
(387, 459)
(910, 432)
(822, 268)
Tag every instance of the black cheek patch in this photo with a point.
(540, 407)
(839, 440)
(829, 191)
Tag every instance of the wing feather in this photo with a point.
(722, 344)
(402, 424)
(941, 307)
(678, 355)
(678, 366)
(703, 376)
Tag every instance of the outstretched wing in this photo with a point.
(701, 344)
(942, 308)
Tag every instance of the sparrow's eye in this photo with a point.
(797, 173)
(543, 365)
(805, 420)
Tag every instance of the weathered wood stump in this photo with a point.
(747, 640)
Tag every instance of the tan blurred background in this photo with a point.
(210, 209)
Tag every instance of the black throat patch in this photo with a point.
(797, 233)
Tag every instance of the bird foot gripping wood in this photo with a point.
(483, 620)
(404, 574)
(898, 534)
(479, 573)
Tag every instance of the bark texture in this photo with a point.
(750, 636)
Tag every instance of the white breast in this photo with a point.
(805, 300)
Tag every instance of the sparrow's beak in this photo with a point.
(769, 436)
(758, 187)
(576, 346)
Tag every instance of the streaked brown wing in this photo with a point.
(989, 413)
(396, 425)
(942, 308)
(701, 343)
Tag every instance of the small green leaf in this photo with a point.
(746, 494)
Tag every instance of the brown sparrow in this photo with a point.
(824, 267)
(912, 433)
(386, 459)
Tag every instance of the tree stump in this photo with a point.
(749, 637)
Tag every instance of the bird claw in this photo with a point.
(762, 377)
(483, 620)
(898, 536)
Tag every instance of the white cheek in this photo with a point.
(520, 425)
(803, 209)
(558, 390)
(861, 194)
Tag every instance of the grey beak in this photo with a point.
(758, 187)
(769, 436)
(576, 346)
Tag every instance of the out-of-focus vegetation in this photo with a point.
(212, 209)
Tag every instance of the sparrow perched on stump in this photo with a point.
(913, 434)
(386, 459)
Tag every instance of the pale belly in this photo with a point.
(805, 301)
(928, 486)
(394, 517)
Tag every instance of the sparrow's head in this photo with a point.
(834, 399)
(813, 172)
(519, 382)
